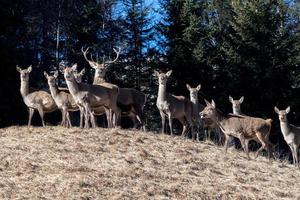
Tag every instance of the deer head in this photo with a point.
(193, 92)
(162, 77)
(24, 73)
(51, 79)
(236, 104)
(282, 114)
(100, 68)
(210, 111)
(69, 72)
(78, 76)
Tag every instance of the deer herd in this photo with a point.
(103, 97)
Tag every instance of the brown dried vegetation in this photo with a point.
(61, 163)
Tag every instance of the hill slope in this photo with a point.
(59, 163)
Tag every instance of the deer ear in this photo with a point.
(29, 69)
(55, 74)
(82, 72)
(198, 87)
(288, 109)
(207, 102)
(188, 86)
(230, 99)
(169, 73)
(241, 99)
(74, 67)
(276, 110)
(156, 73)
(213, 104)
(46, 75)
(18, 69)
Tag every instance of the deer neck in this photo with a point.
(162, 93)
(195, 104)
(24, 88)
(285, 127)
(98, 80)
(53, 90)
(194, 101)
(237, 111)
(220, 120)
(73, 86)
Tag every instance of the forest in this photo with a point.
(232, 47)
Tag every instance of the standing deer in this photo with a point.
(88, 97)
(38, 100)
(290, 133)
(206, 124)
(63, 100)
(196, 107)
(236, 105)
(242, 127)
(172, 106)
(131, 101)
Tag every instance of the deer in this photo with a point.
(131, 101)
(196, 107)
(242, 127)
(88, 97)
(38, 100)
(236, 105)
(63, 99)
(290, 133)
(171, 106)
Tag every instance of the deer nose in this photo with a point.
(202, 115)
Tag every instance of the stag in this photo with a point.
(90, 97)
(131, 101)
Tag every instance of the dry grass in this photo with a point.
(59, 163)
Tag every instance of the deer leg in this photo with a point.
(208, 133)
(170, 123)
(292, 150)
(81, 116)
(62, 117)
(30, 111)
(87, 116)
(140, 116)
(117, 113)
(93, 120)
(69, 121)
(184, 126)
(65, 123)
(226, 142)
(296, 155)
(109, 125)
(112, 117)
(41, 112)
(244, 145)
(263, 142)
(163, 121)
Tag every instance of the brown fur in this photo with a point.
(38, 100)
(242, 127)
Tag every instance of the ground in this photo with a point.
(60, 163)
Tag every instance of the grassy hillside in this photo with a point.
(59, 163)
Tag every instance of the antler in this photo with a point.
(85, 52)
(118, 53)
